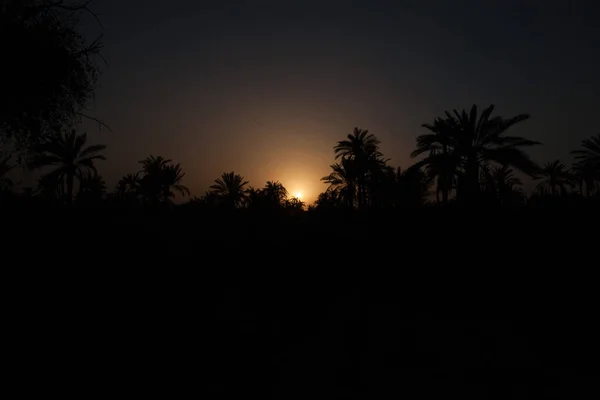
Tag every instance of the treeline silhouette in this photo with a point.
(430, 281)
(468, 160)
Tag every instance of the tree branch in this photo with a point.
(98, 121)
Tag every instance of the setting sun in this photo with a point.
(298, 195)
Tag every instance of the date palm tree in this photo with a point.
(172, 175)
(160, 179)
(129, 185)
(586, 173)
(92, 188)
(555, 179)
(468, 142)
(362, 148)
(590, 152)
(71, 159)
(587, 168)
(343, 181)
(441, 164)
(275, 192)
(230, 188)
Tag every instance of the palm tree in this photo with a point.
(71, 159)
(129, 185)
(275, 192)
(160, 178)
(501, 183)
(230, 188)
(591, 151)
(172, 175)
(92, 188)
(440, 164)
(362, 148)
(587, 169)
(343, 181)
(585, 173)
(555, 179)
(468, 142)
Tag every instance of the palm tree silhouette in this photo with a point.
(160, 179)
(440, 164)
(129, 186)
(172, 176)
(501, 182)
(469, 142)
(343, 181)
(555, 179)
(590, 152)
(587, 169)
(362, 148)
(586, 173)
(71, 159)
(92, 188)
(230, 189)
(275, 192)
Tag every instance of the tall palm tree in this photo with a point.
(275, 192)
(555, 179)
(66, 152)
(440, 164)
(473, 141)
(343, 181)
(230, 188)
(160, 179)
(586, 173)
(172, 175)
(362, 148)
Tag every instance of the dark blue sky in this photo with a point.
(267, 88)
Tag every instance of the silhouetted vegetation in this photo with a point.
(51, 73)
(356, 295)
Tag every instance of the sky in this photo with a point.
(266, 88)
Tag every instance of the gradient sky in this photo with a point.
(266, 88)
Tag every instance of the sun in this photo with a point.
(298, 195)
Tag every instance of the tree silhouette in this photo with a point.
(92, 188)
(230, 189)
(129, 186)
(160, 180)
(49, 68)
(66, 152)
(586, 173)
(294, 204)
(343, 181)
(555, 179)
(362, 149)
(468, 142)
(590, 152)
(587, 168)
(441, 164)
(501, 183)
(275, 192)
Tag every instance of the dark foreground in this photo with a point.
(473, 306)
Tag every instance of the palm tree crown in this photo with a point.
(230, 188)
(67, 152)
